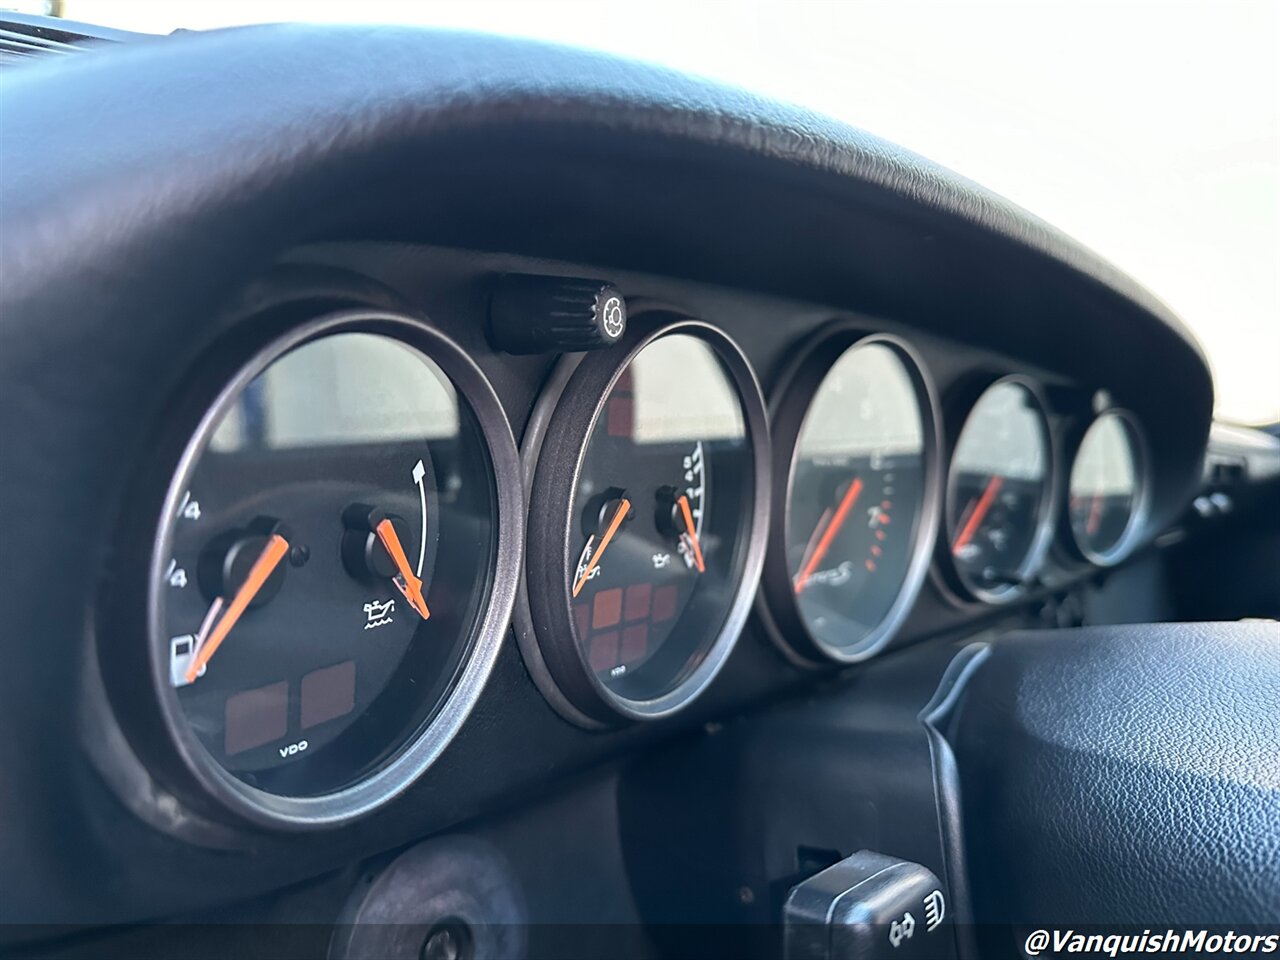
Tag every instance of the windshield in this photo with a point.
(1147, 131)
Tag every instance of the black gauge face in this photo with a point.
(325, 563)
(856, 496)
(657, 519)
(1105, 485)
(998, 492)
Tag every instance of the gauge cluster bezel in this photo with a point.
(580, 698)
(791, 398)
(961, 407)
(157, 727)
(553, 453)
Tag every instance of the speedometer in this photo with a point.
(856, 438)
(1106, 494)
(325, 596)
(999, 492)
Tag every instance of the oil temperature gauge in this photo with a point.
(311, 651)
(646, 524)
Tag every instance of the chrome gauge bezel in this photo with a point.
(196, 765)
(1136, 527)
(552, 453)
(791, 400)
(1043, 538)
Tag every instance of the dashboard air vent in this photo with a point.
(27, 38)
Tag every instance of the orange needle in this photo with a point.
(624, 507)
(979, 511)
(691, 533)
(261, 570)
(829, 535)
(407, 582)
(1095, 512)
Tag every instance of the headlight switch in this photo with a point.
(868, 906)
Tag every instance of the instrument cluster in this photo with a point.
(349, 527)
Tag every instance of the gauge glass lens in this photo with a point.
(856, 494)
(998, 489)
(658, 517)
(1104, 486)
(309, 623)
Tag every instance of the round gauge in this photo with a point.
(646, 522)
(858, 444)
(999, 494)
(313, 648)
(1106, 488)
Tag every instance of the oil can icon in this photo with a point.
(378, 614)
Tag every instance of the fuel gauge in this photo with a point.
(311, 650)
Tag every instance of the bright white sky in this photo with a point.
(1148, 131)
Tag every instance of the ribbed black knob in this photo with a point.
(529, 314)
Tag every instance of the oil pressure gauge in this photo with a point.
(311, 649)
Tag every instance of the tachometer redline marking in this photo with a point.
(829, 534)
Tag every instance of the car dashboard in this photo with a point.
(471, 467)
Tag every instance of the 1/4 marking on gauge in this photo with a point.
(175, 575)
(189, 509)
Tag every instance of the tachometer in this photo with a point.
(856, 438)
(312, 648)
(646, 522)
(1107, 488)
(999, 492)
